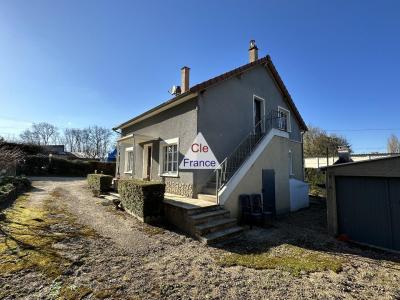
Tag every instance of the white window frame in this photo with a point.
(262, 100)
(127, 151)
(291, 173)
(288, 122)
(163, 144)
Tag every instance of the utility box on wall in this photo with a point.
(298, 194)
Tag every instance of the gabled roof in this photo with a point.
(266, 61)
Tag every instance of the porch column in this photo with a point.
(118, 159)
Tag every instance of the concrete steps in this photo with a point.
(215, 225)
(207, 216)
(222, 235)
(212, 225)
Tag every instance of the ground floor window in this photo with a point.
(129, 160)
(170, 159)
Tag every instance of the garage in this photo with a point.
(363, 202)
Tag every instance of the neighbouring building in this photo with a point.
(321, 162)
(251, 124)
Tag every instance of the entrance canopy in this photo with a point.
(139, 138)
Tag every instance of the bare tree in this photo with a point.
(45, 131)
(393, 144)
(94, 141)
(97, 141)
(40, 134)
(29, 137)
(68, 139)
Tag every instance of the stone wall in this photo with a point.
(179, 188)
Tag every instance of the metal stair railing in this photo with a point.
(229, 166)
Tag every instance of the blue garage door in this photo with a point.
(369, 210)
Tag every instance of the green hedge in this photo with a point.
(40, 165)
(143, 199)
(99, 183)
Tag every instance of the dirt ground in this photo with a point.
(59, 242)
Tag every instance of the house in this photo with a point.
(363, 201)
(248, 120)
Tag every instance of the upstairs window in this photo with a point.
(284, 119)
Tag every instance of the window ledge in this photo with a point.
(169, 175)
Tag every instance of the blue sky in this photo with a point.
(78, 63)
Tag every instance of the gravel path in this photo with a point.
(125, 259)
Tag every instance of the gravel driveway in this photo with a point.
(89, 250)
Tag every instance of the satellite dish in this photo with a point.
(175, 90)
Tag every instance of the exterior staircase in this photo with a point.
(232, 163)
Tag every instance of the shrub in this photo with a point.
(143, 199)
(316, 178)
(99, 183)
(4, 189)
(22, 184)
(7, 193)
(40, 165)
(10, 187)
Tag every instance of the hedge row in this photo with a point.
(143, 199)
(41, 165)
(99, 183)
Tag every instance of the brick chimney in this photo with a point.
(185, 79)
(253, 51)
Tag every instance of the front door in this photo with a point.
(147, 151)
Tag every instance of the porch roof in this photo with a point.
(138, 137)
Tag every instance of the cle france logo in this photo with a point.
(199, 155)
